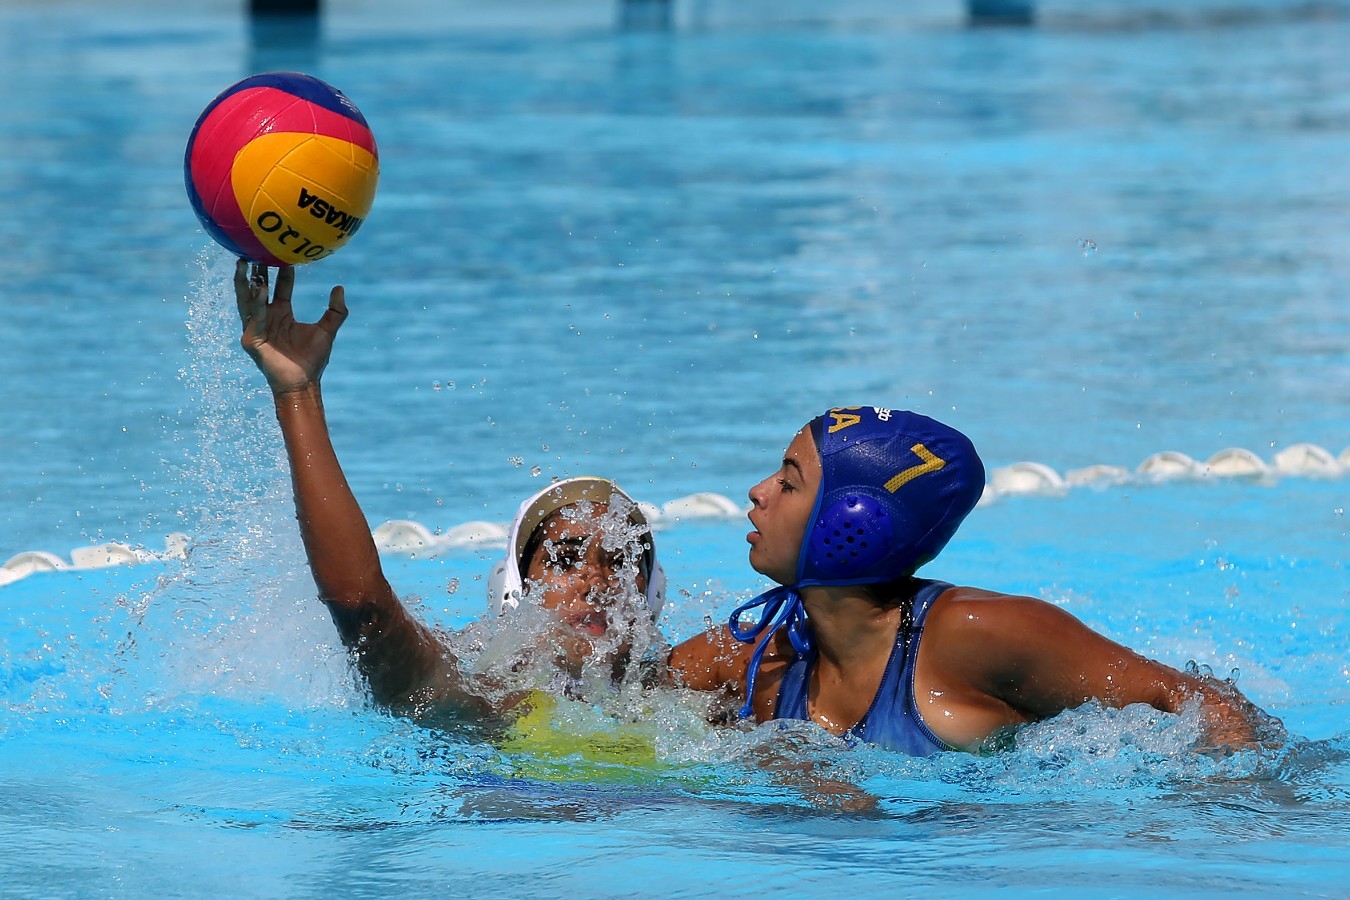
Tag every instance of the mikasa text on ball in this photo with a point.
(281, 169)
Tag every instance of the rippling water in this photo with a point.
(654, 254)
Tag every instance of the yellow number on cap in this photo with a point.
(930, 463)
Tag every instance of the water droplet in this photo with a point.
(1087, 247)
(436, 386)
(515, 461)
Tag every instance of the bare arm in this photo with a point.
(401, 658)
(708, 661)
(1034, 660)
(715, 661)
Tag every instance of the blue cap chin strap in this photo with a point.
(782, 605)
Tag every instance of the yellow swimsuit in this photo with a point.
(592, 751)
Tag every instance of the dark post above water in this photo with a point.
(644, 15)
(1001, 12)
(285, 35)
(284, 7)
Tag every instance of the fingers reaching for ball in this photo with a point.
(281, 296)
(336, 313)
(250, 293)
(291, 354)
(254, 305)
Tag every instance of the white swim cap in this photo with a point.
(505, 584)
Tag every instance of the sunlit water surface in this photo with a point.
(653, 254)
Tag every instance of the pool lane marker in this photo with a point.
(408, 538)
(1295, 461)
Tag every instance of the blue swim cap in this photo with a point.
(895, 486)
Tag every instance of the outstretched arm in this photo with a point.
(1037, 660)
(399, 656)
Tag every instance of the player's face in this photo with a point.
(577, 572)
(782, 505)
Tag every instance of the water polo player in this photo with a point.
(853, 641)
(580, 549)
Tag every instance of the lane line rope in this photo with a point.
(410, 538)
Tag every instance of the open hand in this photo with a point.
(291, 354)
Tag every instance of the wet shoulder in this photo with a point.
(963, 614)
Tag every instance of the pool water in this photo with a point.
(605, 247)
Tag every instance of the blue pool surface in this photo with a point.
(610, 241)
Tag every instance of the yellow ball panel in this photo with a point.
(304, 195)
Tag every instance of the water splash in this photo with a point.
(532, 649)
(237, 615)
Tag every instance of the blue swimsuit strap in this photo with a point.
(781, 605)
